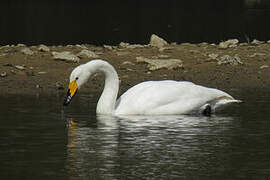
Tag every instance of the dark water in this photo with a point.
(110, 22)
(40, 140)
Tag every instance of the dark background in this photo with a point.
(110, 22)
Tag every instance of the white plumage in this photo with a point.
(150, 97)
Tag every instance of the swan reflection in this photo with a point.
(104, 143)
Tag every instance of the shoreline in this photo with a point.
(232, 67)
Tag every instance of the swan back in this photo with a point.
(166, 97)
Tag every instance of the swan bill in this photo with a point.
(72, 89)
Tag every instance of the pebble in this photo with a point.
(257, 54)
(264, 66)
(227, 59)
(3, 74)
(155, 64)
(19, 67)
(88, 54)
(156, 41)
(213, 56)
(257, 42)
(228, 44)
(27, 51)
(128, 63)
(65, 56)
(43, 48)
(42, 72)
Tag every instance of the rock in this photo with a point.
(65, 56)
(123, 45)
(227, 59)
(163, 56)
(88, 54)
(3, 74)
(213, 56)
(156, 41)
(81, 46)
(155, 64)
(257, 54)
(203, 44)
(21, 45)
(243, 44)
(108, 47)
(19, 67)
(264, 66)
(268, 41)
(130, 46)
(229, 43)
(194, 51)
(257, 42)
(162, 49)
(43, 48)
(42, 72)
(128, 63)
(6, 46)
(27, 51)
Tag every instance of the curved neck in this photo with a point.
(107, 100)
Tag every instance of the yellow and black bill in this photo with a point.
(72, 89)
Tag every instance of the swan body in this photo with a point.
(147, 98)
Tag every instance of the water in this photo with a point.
(40, 140)
(110, 22)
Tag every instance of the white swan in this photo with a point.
(147, 98)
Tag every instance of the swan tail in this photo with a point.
(219, 103)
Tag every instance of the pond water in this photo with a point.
(40, 140)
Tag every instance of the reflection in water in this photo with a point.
(139, 146)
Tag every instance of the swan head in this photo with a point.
(78, 77)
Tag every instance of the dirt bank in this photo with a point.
(37, 71)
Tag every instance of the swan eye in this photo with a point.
(76, 78)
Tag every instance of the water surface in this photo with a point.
(40, 140)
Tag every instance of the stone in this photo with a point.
(19, 67)
(123, 45)
(257, 42)
(162, 49)
(81, 46)
(42, 72)
(27, 51)
(130, 46)
(227, 59)
(65, 56)
(108, 47)
(156, 41)
(3, 74)
(229, 43)
(21, 45)
(264, 66)
(128, 63)
(87, 53)
(257, 54)
(268, 41)
(213, 56)
(155, 64)
(43, 48)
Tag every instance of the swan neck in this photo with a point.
(107, 100)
